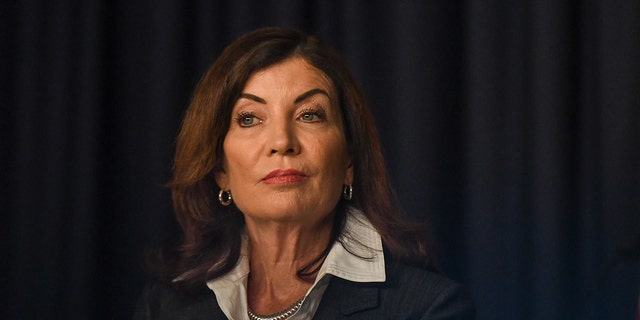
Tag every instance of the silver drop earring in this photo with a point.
(347, 192)
(225, 197)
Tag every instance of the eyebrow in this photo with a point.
(299, 99)
(253, 97)
(311, 93)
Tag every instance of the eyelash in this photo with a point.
(243, 115)
(318, 112)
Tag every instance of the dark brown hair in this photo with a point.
(212, 232)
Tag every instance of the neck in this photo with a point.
(277, 252)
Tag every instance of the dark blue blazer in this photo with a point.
(408, 293)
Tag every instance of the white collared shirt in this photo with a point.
(367, 265)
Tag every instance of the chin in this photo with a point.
(288, 214)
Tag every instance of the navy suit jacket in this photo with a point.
(408, 293)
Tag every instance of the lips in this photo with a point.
(287, 176)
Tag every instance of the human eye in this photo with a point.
(312, 115)
(247, 119)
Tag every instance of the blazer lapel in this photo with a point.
(344, 298)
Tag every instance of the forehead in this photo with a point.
(293, 74)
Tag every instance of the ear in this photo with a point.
(222, 179)
(348, 174)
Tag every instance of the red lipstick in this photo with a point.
(280, 176)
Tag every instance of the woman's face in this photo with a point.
(286, 155)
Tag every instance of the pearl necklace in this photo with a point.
(284, 314)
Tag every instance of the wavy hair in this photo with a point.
(212, 232)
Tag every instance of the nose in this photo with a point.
(284, 139)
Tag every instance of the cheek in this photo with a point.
(334, 158)
(238, 159)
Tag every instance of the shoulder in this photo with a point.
(407, 278)
(426, 292)
(162, 301)
(407, 293)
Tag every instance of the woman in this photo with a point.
(281, 190)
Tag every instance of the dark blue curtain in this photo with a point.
(512, 126)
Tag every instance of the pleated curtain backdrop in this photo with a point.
(512, 126)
